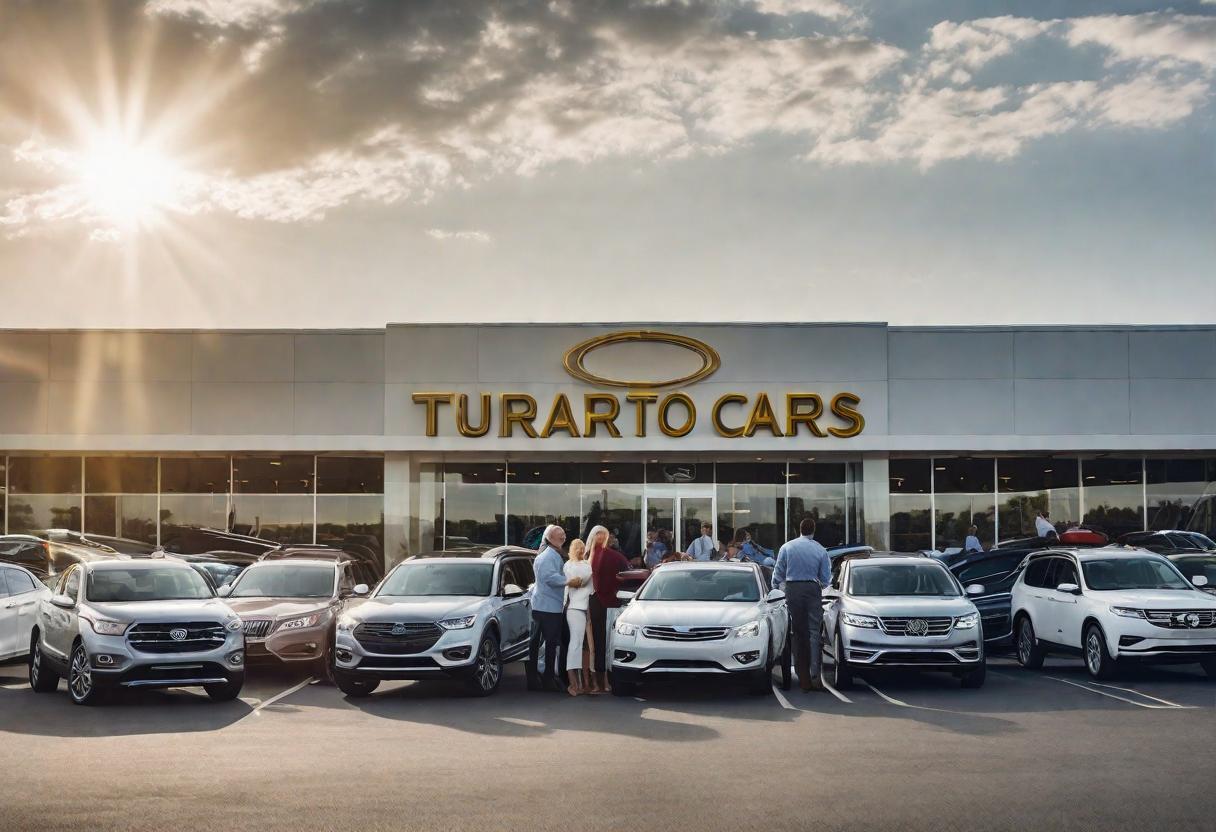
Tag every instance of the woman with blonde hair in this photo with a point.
(606, 564)
(578, 595)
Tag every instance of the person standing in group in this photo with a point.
(656, 548)
(606, 564)
(1043, 526)
(972, 543)
(577, 598)
(751, 550)
(803, 570)
(548, 600)
(703, 547)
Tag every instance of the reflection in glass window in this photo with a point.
(131, 516)
(964, 497)
(1182, 494)
(35, 512)
(353, 523)
(1114, 495)
(611, 496)
(287, 474)
(194, 475)
(44, 474)
(1028, 485)
(911, 504)
(751, 499)
(818, 489)
(350, 475)
(283, 518)
(120, 475)
(193, 511)
(474, 499)
(541, 493)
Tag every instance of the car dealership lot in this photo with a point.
(1030, 750)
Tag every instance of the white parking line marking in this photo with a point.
(890, 699)
(836, 693)
(1145, 695)
(1113, 695)
(257, 709)
(785, 703)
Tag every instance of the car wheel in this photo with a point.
(225, 692)
(81, 684)
(622, 688)
(42, 678)
(1030, 654)
(324, 670)
(355, 687)
(761, 681)
(842, 674)
(487, 667)
(1097, 661)
(974, 679)
(787, 679)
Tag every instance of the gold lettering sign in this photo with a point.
(575, 359)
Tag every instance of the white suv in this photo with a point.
(1112, 606)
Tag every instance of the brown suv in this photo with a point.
(290, 607)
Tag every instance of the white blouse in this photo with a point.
(577, 599)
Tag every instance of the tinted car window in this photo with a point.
(19, 583)
(1065, 573)
(1036, 572)
(438, 578)
(525, 573)
(4, 593)
(285, 581)
(156, 584)
(1196, 565)
(1132, 573)
(71, 584)
(701, 585)
(889, 579)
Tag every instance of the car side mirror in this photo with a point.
(1070, 589)
(224, 591)
(512, 591)
(362, 589)
(624, 595)
(1200, 580)
(775, 595)
(975, 589)
(63, 601)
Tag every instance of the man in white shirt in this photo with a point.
(703, 547)
(1043, 526)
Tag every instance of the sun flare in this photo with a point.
(128, 183)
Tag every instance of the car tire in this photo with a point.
(974, 679)
(225, 692)
(760, 682)
(787, 678)
(356, 688)
(42, 678)
(1097, 660)
(487, 667)
(81, 685)
(1030, 653)
(323, 671)
(622, 688)
(842, 674)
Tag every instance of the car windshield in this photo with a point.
(285, 580)
(222, 573)
(1192, 566)
(912, 578)
(1132, 573)
(701, 585)
(438, 578)
(155, 584)
(1202, 541)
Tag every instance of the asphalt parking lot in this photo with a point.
(1031, 750)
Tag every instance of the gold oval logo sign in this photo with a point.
(576, 357)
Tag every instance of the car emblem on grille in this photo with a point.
(1190, 619)
(917, 627)
(682, 629)
(398, 630)
(178, 634)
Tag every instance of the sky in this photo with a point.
(343, 164)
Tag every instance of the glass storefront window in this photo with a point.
(120, 475)
(1114, 495)
(911, 504)
(283, 518)
(3, 492)
(818, 489)
(194, 475)
(751, 498)
(120, 497)
(289, 474)
(1028, 485)
(353, 523)
(541, 493)
(610, 495)
(474, 496)
(194, 495)
(44, 493)
(678, 471)
(350, 475)
(1182, 494)
(963, 497)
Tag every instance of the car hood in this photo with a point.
(691, 613)
(164, 611)
(908, 606)
(1157, 599)
(277, 607)
(417, 608)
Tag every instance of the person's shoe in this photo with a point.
(817, 684)
(805, 684)
(533, 679)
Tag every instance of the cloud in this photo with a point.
(471, 236)
(285, 110)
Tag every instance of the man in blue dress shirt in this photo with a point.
(548, 616)
(703, 547)
(803, 569)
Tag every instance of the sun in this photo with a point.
(126, 182)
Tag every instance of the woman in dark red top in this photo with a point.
(606, 564)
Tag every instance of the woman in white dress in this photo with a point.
(577, 598)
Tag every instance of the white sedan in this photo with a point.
(713, 619)
(20, 592)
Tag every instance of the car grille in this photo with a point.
(932, 657)
(257, 628)
(378, 637)
(901, 626)
(686, 633)
(1181, 619)
(198, 636)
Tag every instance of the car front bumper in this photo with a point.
(1135, 639)
(115, 663)
(958, 649)
(451, 656)
(639, 657)
(303, 644)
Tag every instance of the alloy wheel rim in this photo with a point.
(1093, 652)
(1024, 642)
(82, 677)
(487, 667)
(36, 663)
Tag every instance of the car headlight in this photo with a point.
(106, 627)
(967, 622)
(235, 624)
(625, 629)
(347, 622)
(461, 623)
(867, 621)
(751, 628)
(1127, 612)
(299, 623)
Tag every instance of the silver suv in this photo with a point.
(151, 623)
(443, 615)
(891, 610)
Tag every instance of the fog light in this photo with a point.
(624, 655)
(457, 654)
(344, 655)
(236, 659)
(748, 657)
(1128, 641)
(104, 660)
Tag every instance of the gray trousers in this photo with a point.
(805, 600)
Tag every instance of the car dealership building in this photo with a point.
(417, 437)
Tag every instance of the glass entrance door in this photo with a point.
(680, 508)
